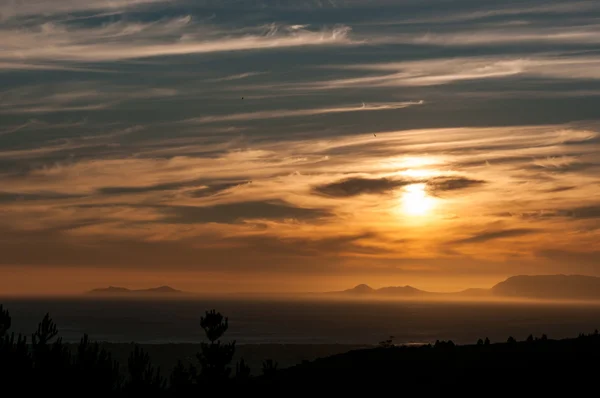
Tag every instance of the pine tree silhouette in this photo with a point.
(215, 357)
(144, 379)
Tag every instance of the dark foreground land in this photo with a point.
(166, 356)
(42, 364)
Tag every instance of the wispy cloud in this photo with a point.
(14, 9)
(81, 96)
(51, 42)
(451, 70)
(158, 159)
(358, 186)
(178, 200)
(500, 10)
(283, 113)
(239, 76)
(493, 235)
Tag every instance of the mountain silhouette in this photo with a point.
(360, 289)
(552, 287)
(573, 287)
(123, 290)
(397, 291)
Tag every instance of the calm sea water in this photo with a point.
(289, 321)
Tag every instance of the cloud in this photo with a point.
(493, 235)
(119, 41)
(71, 97)
(561, 189)
(283, 113)
(16, 9)
(496, 37)
(201, 188)
(582, 212)
(443, 71)
(572, 7)
(40, 196)
(239, 76)
(358, 186)
(238, 212)
(439, 185)
(214, 189)
(253, 254)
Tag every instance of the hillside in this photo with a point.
(532, 368)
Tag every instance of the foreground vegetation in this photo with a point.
(44, 364)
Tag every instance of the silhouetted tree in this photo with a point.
(51, 359)
(242, 371)
(444, 344)
(95, 370)
(511, 340)
(144, 379)
(269, 368)
(46, 331)
(182, 382)
(5, 321)
(480, 342)
(387, 343)
(544, 337)
(530, 338)
(215, 357)
(487, 341)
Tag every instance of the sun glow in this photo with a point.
(415, 201)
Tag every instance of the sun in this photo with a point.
(415, 201)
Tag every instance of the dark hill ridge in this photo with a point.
(552, 287)
(535, 367)
(123, 290)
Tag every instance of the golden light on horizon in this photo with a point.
(415, 201)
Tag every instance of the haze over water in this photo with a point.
(305, 321)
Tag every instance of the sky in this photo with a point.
(297, 145)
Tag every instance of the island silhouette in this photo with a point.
(547, 287)
(536, 287)
(115, 290)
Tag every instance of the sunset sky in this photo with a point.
(297, 145)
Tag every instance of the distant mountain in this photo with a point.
(569, 287)
(401, 291)
(360, 289)
(396, 291)
(550, 287)
(125, 291)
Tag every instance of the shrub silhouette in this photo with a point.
(387, 343)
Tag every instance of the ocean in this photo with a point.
(287, 321)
